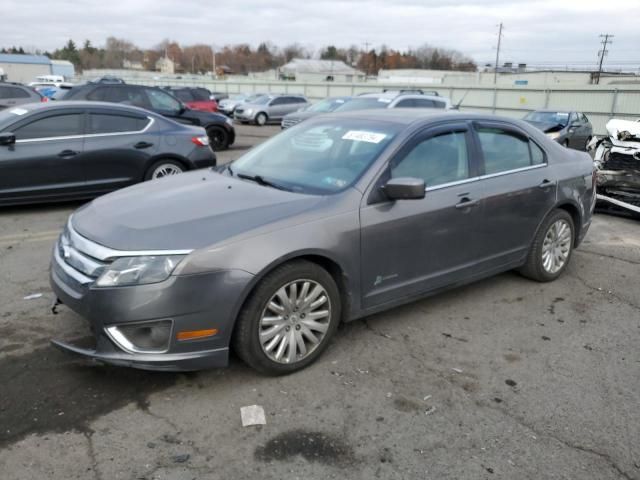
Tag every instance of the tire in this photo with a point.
(261, 119)
(218, 138)
(560, 244)
(283, 325)
(164, 168)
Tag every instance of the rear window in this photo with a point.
(200, 95)
(112, 123)
(13, 92)
(183, 95)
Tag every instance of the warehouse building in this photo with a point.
(303, 70)
(24, 68)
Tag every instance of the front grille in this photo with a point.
(621, 161)
(74, 252)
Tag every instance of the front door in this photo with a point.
(409, 247)
(45, 160)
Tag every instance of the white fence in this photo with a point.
(599, 103)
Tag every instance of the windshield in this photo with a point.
(237, 97)
(556, 118)
(327, 105)
(364, 104)
(319, 157)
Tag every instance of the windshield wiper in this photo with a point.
(260, 180)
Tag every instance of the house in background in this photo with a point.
(304, 70)
(166, 65)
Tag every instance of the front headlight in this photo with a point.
(553, 135)
(229, 121)
(138, 270)
(249, 112)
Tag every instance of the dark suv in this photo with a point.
(219, 128)
(12, 94)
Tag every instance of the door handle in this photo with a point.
(466, 202)
(546, 184)
(67, 153)
(143, 145)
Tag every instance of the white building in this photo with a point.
(24, 68)
(166, 65)
(303, 70)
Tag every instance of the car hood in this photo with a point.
(547, 127)
(204, 117)
(187, 211)
(302, 115)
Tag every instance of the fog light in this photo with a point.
(148, 337)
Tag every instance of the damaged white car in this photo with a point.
(617, 162)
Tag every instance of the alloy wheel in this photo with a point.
(295, 321)
(556, 246)
(165, 170)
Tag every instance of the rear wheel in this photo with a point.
(164, 168)
(261, 119)
(218, 138)
(289, 318)
(551, 249)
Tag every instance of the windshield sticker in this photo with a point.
(360, 136)
(18, 111)
(384, 100)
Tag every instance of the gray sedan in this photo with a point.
(332, 220)
(570, 129)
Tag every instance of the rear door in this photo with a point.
(413, 246)
(45, 161)
(518, 189)
(279, 107)
(117, 148)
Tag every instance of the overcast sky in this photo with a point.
(554, 31)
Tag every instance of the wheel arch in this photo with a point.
(573, 210)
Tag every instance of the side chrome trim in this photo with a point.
(452, 184)
(515, 170)
(89, 135)
(72, 272)
(103, 253)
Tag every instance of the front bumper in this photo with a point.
(244, 116)
(191, 302)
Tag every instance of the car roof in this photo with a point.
(48, 106)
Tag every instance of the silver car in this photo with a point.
(228, 105)
(269, 108)
(335, 219)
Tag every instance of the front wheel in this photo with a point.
(551, 249)
(261, 119)
(289, 318)
(218, 138)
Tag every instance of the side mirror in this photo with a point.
(405, 188)
(7, 138)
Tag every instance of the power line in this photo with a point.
(495, 72)
(602, 53)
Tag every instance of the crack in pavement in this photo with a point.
(88, 434)
(604, 255)
(607, 292)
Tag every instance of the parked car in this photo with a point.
(340, 217)
(570, 129)
(196, 98)
(228, 105)
(269, 108)
(323, 106)
(55, 80)
(63, 150)
(12, 94)
(219, 128)
(395, 99)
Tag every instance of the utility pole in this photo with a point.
(213, 63)
(495, 70)
(366, 52)
(602, 53)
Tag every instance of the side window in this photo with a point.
(424, 103)
(110, 123)
(278, 101)
(438, 104)
(573, 118)
(4, 92)
(128, 96)
(98, 95)
(183, 95)
(200, 94)
(503, 150)
(537, 154)
(437, 160)
(406, 103)
(162, 101)
(15, 92)
(299, 100)
(54, 126)
(584, 118)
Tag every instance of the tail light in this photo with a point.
(201, 141)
